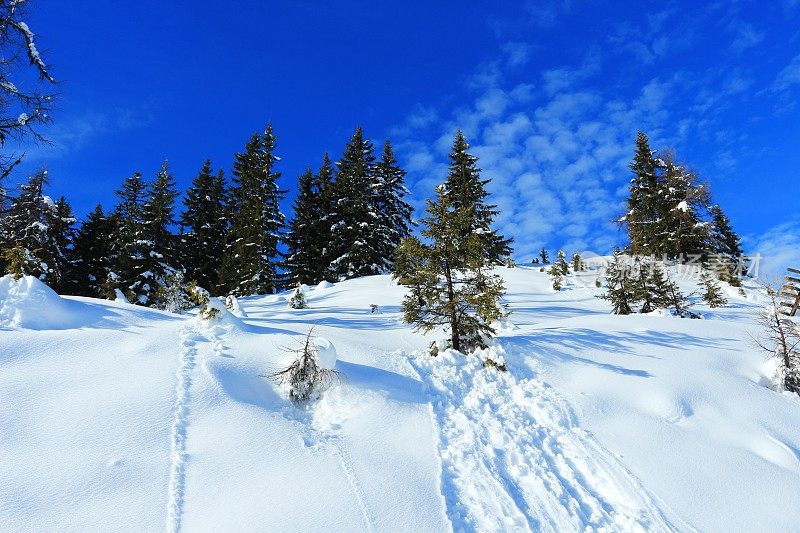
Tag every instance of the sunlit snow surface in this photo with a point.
(115, 417)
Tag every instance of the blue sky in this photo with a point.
(550, 96)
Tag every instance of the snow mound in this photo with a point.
(221, 315)
(324, 285)
(28, 303)
(326, 353)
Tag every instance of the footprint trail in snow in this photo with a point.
(513, 457)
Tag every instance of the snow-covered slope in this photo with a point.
(118, 418)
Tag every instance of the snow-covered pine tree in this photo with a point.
(556, 276)
(92, 253)
(29, 226)
(173, 294)
(298, 299)
(561, 262)
(126, 252)
(303, 254)
(621, 286)
(642, 212)
(577, 262)
(544, 256)
(448, 279)
(61, 222)
(158, 243)
(251, 259)
(682, 231)
(204, 222)
(712, 293)
(354, 247)
(394, 213)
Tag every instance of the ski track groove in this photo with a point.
(514, 458)
(177, 478)
(352, 478)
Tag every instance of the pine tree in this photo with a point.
(204, 222)
(577, 262)
(61, 222)
(544, 256)
(326, 213)
(298, 299)
(562, 262)
(712, 293)
(303, 254)
(642, 212)
(250, 262)
(17, 262)
(93, 253)
(355, 248)
(448, 279)
(468, 191)
(725, 248)
(29, 225)
(126, 252)
(556, 276)
(394, 213)
(621, 287)
(682, 232)
(158, 244)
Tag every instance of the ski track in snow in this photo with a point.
(513, 457)
(358, 489)
(177, 478)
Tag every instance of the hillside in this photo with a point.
(115, 417)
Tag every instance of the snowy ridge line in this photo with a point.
(513, 458)
(177, 478)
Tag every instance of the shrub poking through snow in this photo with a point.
(15, 259)
(712, 293)
(311, 372)
(509, 263)
(209, 307)
(556, 275)
(173, 295)
(232, 304)
(298, 299)
(780, 338)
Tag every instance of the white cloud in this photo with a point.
(779, 247)
(789, 76)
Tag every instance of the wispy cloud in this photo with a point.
(779, 247)
(789, 76)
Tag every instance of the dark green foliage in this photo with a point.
(41, 229)
(577, 262)
(251, 258)
(712, 293)
(355, 242)
(543, 255)
(621, 288)
(127, 251)
(448, 280)
(17, 261)
(304, 247)
(204, 223)
(556, 276)
(561, 262)
(61, 225)
(394, 213)
(92, 253)
(669, 213)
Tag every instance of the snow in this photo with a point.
(326, 353)
(118, 417)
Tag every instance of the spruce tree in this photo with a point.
(577, 262)
(621, 287)
(31, 225)
(562, 262)
(92, 250)
(61, 222)
(725, 248)
(682, 232)
(303, 254)
(355, 239)
(448, 279)
(158, 244)
(394, 213)
(127, 255)
(543, 255)
(468, 191)
(326, 212)
(204, 222)
(250, 262)
(556, 276)
(642, 211)
(712, 293)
